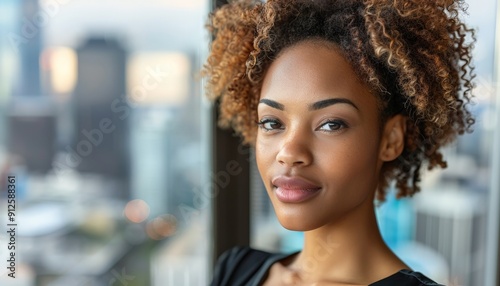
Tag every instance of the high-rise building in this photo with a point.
(31, 124)
(26, 41)
(101, 134)
(30, 117)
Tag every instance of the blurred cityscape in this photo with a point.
(104, 126)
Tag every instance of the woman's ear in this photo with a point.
(393, 138)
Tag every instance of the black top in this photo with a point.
(244, 266)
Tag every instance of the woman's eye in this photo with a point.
(334, 125)
(270, 124)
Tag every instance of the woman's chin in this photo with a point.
(298, 224)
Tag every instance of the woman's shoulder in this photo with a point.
(239, 255)
(406, 277)
(242, 265)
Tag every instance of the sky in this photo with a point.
(141, 25)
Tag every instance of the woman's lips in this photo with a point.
(294, 189)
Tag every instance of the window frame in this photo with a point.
(493, 228)
(231, 205)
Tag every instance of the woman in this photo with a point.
(339, 98)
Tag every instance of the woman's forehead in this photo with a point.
(314, 71)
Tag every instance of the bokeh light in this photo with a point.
(161, 227)
(136, 211)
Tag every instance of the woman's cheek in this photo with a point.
(263, 156)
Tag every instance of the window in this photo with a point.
(106, 130)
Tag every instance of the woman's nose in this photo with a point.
(295, 152)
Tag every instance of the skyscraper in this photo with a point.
(25, 40)
(101, 140)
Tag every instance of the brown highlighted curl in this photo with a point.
(414, 54)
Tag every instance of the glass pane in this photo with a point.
(442, 231)
(103, 135)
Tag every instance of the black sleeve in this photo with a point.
(406, 277)
(221, 267)
(237, 266)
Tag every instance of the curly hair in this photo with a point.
(415, 55)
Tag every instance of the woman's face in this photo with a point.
(318, 146)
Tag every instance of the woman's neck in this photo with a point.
(351, 250)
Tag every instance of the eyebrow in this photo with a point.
(272, 103)
(315, 106)
(331, 101)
